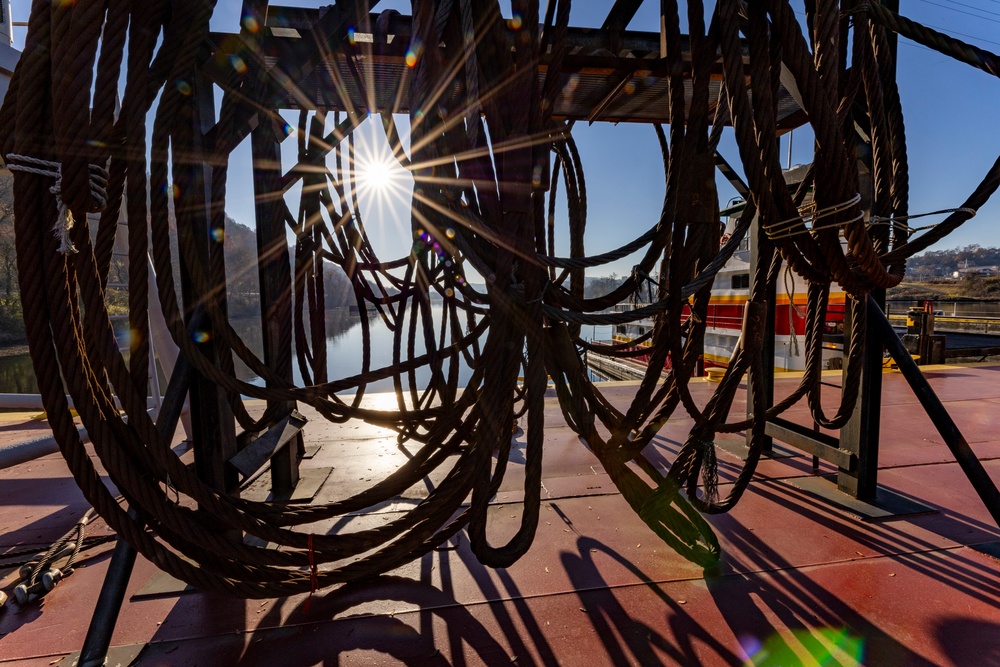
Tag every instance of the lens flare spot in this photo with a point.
(218, 234)
(450, 233)
(201, 336)
(237, 64)
(183, 87)
(250, 24)
(414, 52)
(750, 644)
(629, 88)
(516, 22)
(826, 646)
(449, 292)
(350, 35)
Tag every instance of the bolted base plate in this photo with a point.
(888, 504)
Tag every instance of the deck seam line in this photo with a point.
(506, 599)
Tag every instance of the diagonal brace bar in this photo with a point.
(943, 422)
(112, 595)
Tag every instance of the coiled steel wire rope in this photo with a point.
(470, 211)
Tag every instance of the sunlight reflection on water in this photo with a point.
(343, 347)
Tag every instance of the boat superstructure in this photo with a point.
(8, 54)
(730, 292)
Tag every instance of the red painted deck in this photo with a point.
(801, 581)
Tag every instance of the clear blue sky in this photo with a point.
(951, 124)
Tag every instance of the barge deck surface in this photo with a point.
(801, 582)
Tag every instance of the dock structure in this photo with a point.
(772, 520)
(616, 369)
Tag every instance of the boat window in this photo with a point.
(741, 281)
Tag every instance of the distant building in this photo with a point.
(982, 271)
(8, 54)
(926, 272)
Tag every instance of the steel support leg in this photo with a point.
(861, 434)
(109, 601)
(275, 288)
(767, 350)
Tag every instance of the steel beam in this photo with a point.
(812, 442)
(275, 288)
(860, 434)
(214, 437)
(621, 14)
(757, 236)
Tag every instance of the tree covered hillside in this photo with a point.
(944, 263)
(11, 326)
(241, 272)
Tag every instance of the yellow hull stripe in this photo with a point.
(835, 297)
(723, 361)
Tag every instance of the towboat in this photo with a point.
(730, 293)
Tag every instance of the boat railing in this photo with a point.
(714, 320)
(717, 317)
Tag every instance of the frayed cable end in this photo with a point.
(64, 223)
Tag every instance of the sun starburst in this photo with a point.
(377, 175)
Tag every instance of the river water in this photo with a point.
(344, 344)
